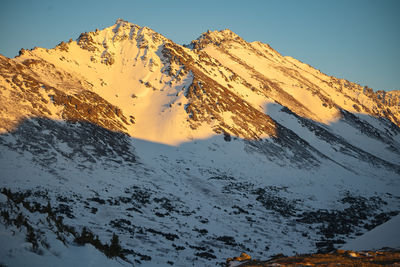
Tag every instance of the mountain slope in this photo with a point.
(188, 153)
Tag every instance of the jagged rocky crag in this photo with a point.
(187, 153)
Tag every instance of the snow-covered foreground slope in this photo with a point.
(188, 154)
(386, 235)
(196, 202)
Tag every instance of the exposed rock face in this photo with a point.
(208, 100)
(213, 73)
(31, 96)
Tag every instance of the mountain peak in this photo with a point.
(121, 21)
(220, 35)
(215, 37)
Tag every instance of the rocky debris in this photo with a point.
(217, 38)
(63, 46)
(90, 107)
(48, 140)
(391, 98)
(86, 41)
(236, 261)
(282, 147)
(339, 257)
(35, 98)
(108, 58)
(272, 201)
(208, 100)
(335, 225)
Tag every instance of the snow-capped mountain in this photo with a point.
(123, 148)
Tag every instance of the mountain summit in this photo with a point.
(219, 83)
(187, 153)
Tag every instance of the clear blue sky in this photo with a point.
(358, 40)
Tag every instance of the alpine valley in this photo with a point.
(124, 148)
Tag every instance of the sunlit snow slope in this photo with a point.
(189, 154)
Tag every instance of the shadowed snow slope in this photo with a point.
(187, 153)
(385, 235)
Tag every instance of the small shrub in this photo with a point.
(114, 250)
(85, 237)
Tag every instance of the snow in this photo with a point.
(15, 251)
(386, 235)
(202, 176)
(158, 108)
